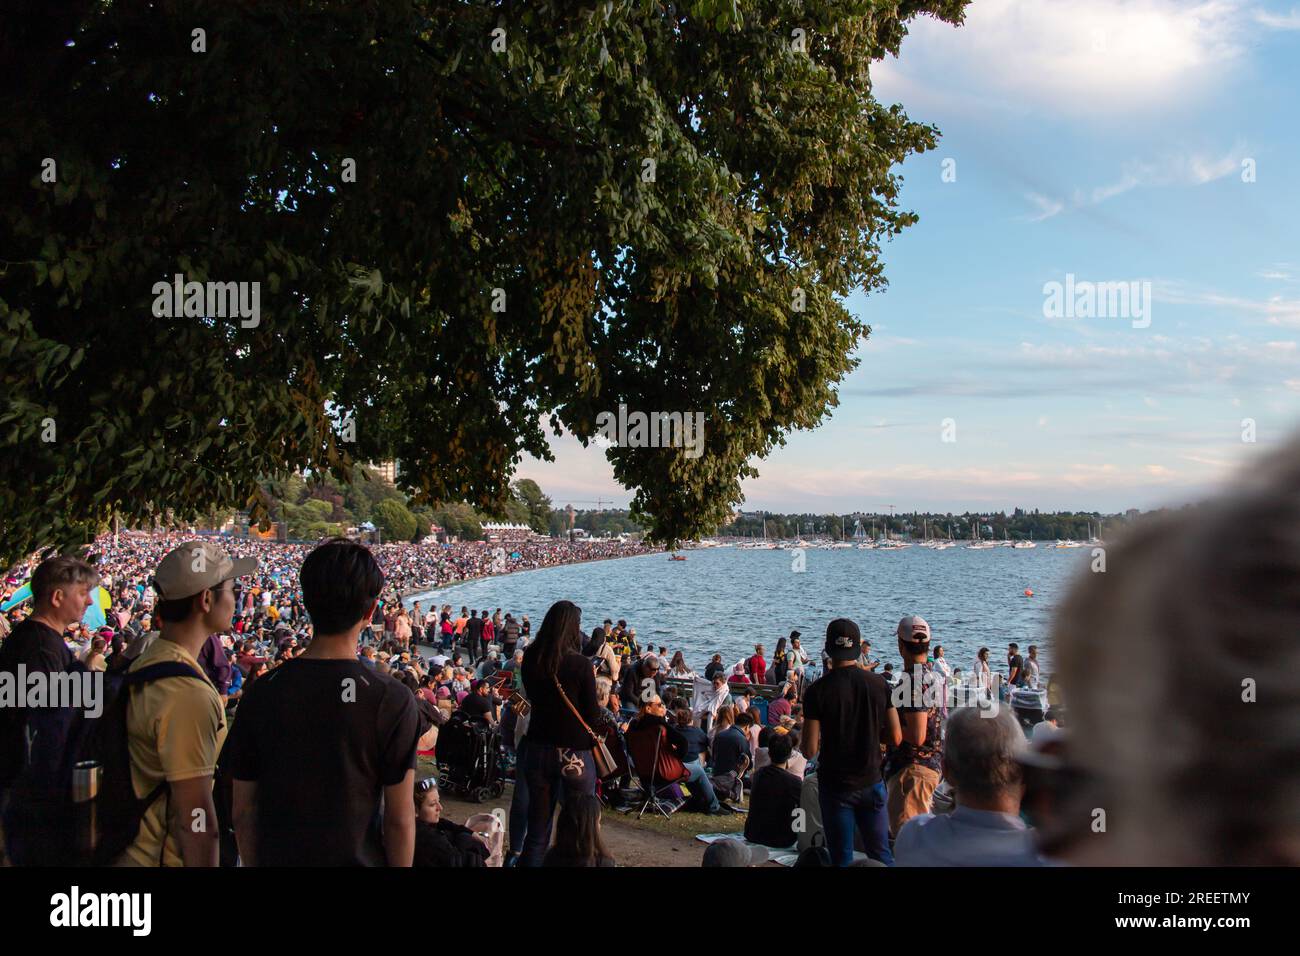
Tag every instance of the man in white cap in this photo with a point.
(175, 718)
(913, 769)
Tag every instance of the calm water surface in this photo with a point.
(726, 599)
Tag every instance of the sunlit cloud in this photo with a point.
(1087, 56)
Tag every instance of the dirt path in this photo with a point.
(630, 843)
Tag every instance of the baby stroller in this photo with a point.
(469, 759)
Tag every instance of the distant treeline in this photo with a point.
(1019, 525)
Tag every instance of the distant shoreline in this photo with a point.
(421, 591)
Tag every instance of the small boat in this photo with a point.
(677, 557)
(977, 543)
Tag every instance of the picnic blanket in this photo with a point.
(786, 857)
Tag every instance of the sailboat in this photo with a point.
(1021, 545)
(766, 545)
(976, 543)
(941, 545)
(887, 542)
(844, 540)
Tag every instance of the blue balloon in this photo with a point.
(94, 616)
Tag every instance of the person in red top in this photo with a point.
(758, 665)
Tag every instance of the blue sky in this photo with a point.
(1108, 139)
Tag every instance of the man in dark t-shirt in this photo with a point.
(322, 741)
(1015, 666)
(848, 714)
(478, 703)
(474, 634)
(33, 739)
(774, 798)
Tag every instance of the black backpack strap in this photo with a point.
(161, 670)
(137, 678)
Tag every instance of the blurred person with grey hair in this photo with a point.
(1181, 671)
(981, 763)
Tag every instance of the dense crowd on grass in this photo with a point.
(295, 721)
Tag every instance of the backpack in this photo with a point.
(780, 667)
(104, 740)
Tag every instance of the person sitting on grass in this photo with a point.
(774, 798)
(782, 706)
(608, 727)
(732, 756)
(696, 745)
(440, 842)
(577, 835)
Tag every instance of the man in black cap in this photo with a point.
(848, 714)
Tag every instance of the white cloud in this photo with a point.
(1282, 272)
(1084, 56)
(1286, 21)
(1193, 169)
(1275, 310)
(1047, 208)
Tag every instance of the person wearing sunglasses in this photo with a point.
(440, 842)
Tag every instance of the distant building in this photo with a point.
(1132, 514)
(387, 470)
(501, 533)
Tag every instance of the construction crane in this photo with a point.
(570, 512)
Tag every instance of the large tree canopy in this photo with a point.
(557, 208)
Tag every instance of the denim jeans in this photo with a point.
(540, 764)
(864, 809)
(699, 782)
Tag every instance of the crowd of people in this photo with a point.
(244, 710)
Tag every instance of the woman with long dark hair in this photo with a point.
(780, 662)
(678, 667)
(555, 755)
(577, 835)
(601, 655)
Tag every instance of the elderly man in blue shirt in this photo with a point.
(980, 762)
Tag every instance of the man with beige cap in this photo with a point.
(175, 725)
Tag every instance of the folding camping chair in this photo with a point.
(661, 795)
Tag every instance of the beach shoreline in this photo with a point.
(419, 592)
